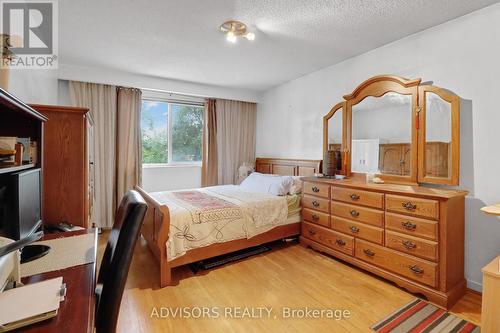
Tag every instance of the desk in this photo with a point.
(76, 312)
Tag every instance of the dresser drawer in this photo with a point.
(358, 230)
(412, 225)
(416, 246)
(316, 217)
(319, 190)
(316, 203)
(357, 213)
(413, 206)
(330, 238)
(365, 198)
(413, 268)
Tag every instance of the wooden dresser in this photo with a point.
(411, 235)
(68, 165)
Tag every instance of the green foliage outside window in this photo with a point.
(186, 136)
(186, 133)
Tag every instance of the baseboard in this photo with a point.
(476, 286)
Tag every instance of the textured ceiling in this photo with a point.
(180, 39)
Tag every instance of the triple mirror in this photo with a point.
(398, 129)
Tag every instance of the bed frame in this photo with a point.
(156, 224)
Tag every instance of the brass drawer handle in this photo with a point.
(354, 229)
(409, 206)
(408, 225)
(409, 245)
(315, 203)
(340, 242)
(315, 189)
(354, 197)
(354, 213)
(369, 252)
(315, 217)
(311, 232)
(417, 270)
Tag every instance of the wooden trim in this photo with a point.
(268, 165)
(155, 230)
(44, 107)
(472, 291)
(454, 100)
(398, 189)
(401, 81)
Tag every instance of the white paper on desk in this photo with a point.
(30, 300)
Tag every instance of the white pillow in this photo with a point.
(272, 184)
(296, 187)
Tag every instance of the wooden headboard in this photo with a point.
(287, 167)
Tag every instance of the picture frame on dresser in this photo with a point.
(409, 234)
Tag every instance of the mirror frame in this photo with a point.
(326, 118)
(454, 101)
(378, 86)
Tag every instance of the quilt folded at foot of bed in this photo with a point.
(217, 214)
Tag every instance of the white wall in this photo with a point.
(461, 55)
(109, 76)
(50, 86)
(363, 124)
(34, 86)
(171, 178)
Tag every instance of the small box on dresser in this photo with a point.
(411, 235)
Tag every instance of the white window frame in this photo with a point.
(169, 103)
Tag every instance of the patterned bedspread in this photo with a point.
(217, 214)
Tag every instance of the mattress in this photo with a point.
(201, 217)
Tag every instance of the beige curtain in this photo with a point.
(128, 141)
(101, 101)
(209, 159)
(236, 124)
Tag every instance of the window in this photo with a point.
(171, 132)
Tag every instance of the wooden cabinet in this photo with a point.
(395, 159)
(437, 159)
(68, 165)
(411, 235)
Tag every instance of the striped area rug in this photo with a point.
(421, 317)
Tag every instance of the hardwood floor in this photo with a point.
(289, 276)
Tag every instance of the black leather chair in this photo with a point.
(116, 261)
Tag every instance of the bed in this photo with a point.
(222, 227)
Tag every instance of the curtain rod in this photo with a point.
(174, 93)
(174, 101)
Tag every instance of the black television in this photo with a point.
(20, 209)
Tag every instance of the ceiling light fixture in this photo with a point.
(234, 29)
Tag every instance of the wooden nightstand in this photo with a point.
(490, 320)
